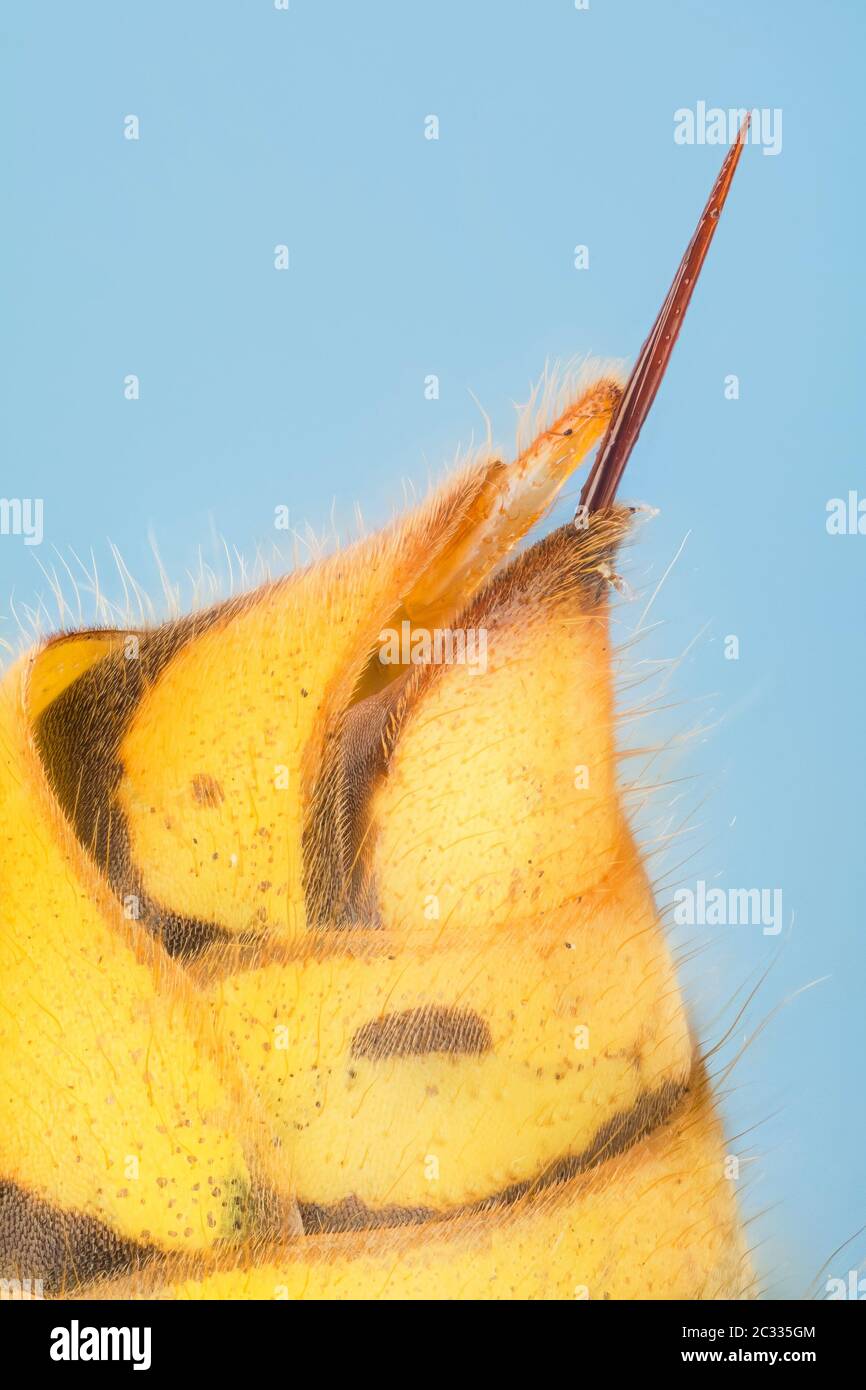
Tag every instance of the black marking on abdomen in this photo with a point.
(418, 1032)
(79, 736)
(354, 1215)
(65, 1249)
(616, 1136)
(338, 889)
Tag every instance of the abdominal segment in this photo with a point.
(346, 978)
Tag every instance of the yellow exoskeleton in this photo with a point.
(329, 966)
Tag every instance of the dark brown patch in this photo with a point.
(207, 790)
(354, 1215)
(338, 889)
(417, 1032)
(65, 1249)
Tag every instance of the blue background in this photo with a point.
(454, 257)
